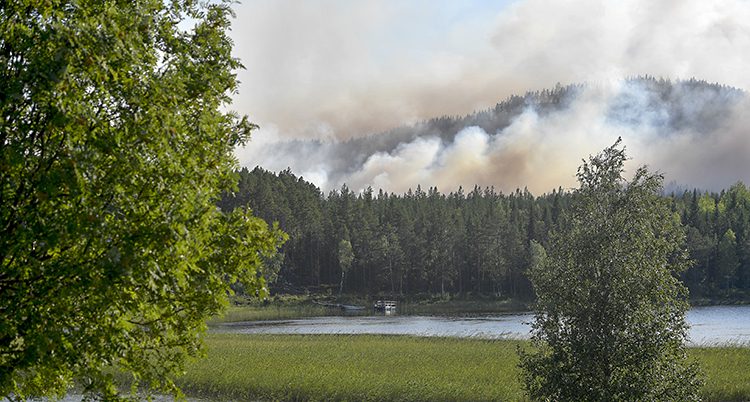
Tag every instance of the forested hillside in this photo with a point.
(689, 119)
(476, 241)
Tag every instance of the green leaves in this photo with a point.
(113, 151)
(610, 321)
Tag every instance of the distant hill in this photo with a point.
(662, 107)
(673, 105)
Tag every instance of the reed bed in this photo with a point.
(397, 368)
(270, 313)
(727, 371)
(362, 367)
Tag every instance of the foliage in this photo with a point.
(346, 258)
(719, 242)
(114, 147)
(476, 243)
(610, 318)
(409, 244)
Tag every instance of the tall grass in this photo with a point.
(727, 372)
(279, 307)
(371, 367)
(339, 367)
(270, 312)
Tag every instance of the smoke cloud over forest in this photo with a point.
(697, 134)
(329, 81)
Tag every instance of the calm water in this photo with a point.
(718, 325)
(713, 326)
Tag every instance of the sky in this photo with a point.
(337, 69)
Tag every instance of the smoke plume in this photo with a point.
(342, 69)
(324, 77)
(697, 134)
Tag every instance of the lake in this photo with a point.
(715, 325)
(710, 326)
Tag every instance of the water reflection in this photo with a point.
(493, 327)
(717, 325)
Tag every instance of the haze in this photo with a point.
(333, 70)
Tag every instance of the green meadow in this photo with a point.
(376, 368)
(271, 312)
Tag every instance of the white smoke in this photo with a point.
(337, 69)
(342, 68)
(542, 150)
(710, 161)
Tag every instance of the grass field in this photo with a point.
(366, 367)
(727, 371)
(270, 312)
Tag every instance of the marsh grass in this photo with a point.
(372, 367)
(363, 367)
(269, 312)
(279, 307)
(727, 371)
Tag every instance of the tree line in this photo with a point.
(479, 241)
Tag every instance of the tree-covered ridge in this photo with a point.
(671, 106)
(476, 241)
(680, 102)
